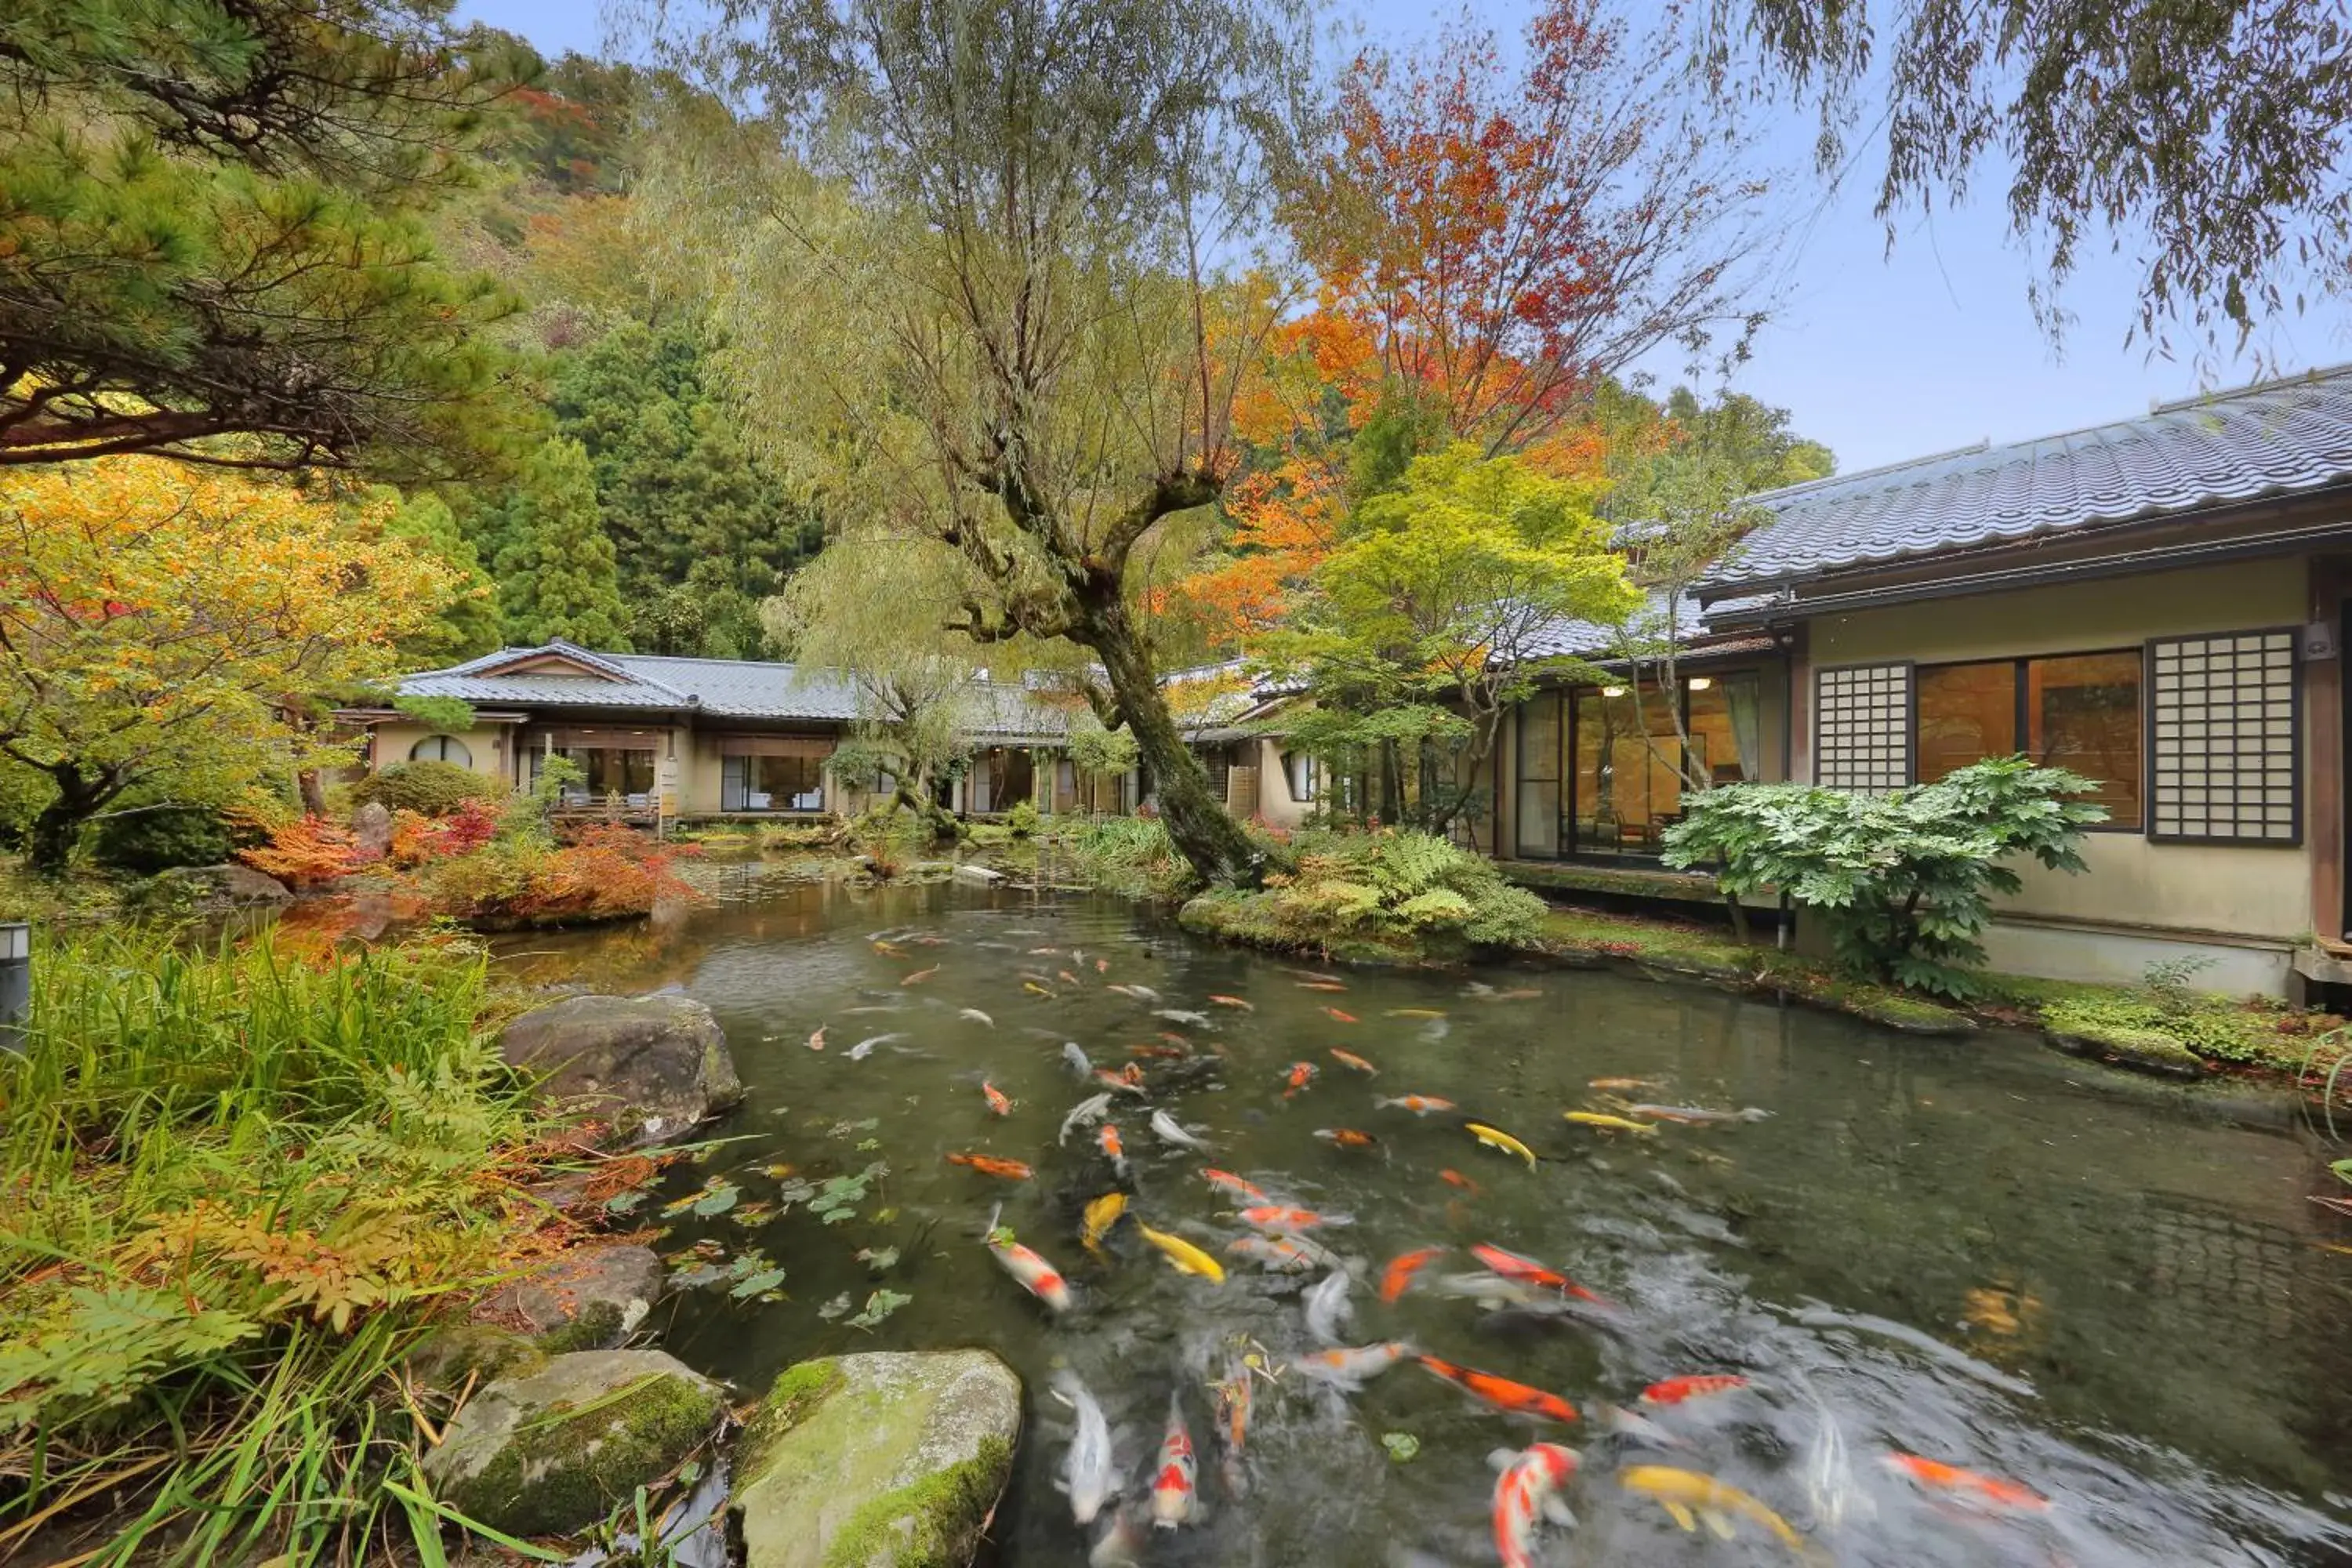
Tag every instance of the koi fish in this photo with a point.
(1527, 1491)
(1089, 1475)
(1527, 1271)
(1269, 1216)
(1607, 1124)
(1035, 989)
(1076, 1059)
(1319, 985)
(1173, 1498)
(1349, 1370)
(1347, 1138)
(1337, 1017)
(1102, 966)
(1181, 1015)
(997, 1103)
(1682, 1390)
(1165, 1126)
(1120, 1082)
(920, 976)
(1036, 1276)
(1620, 1422)
(1232, 1185)
(1065, 977)
(1158, 1053)
(1829, 1475)
(1298, 1077)
(864, 1048)
(1690, 1499)
(1101, 1215)
(990, 1165)
(1414, 1012)
(1283, 1254)
(1044, 952)
(1327, 1306)
(1083, 1113)
(1693, 1115)
(891, 949)
(1619, 1083)
(1452, 1178)
(1418, 1104)
(1234, 1002)
(1966, 1485)
(1187, 1257)
(1106, 1139)
(1398, 1276)
(1501, 1392)
(976, 1016)
(816, 1041)
(1235, 1393)
(1496, 1138)
(1350, 1059)
(1140, 993)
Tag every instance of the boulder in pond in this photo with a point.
(557, 1448)
(652, 1067)
(978, 876)
(588, 1298)
(879, 1460)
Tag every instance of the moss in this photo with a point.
(1677, 887)
(1580, 934)
(1882, 1005)
(447, 1356)
(598, 1325)
(792, 1399)
(934, 1522)
(566, 1468)
(1250, 920)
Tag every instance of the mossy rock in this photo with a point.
(556, 1451)
(1248, 919)
(447, 1358)
(880, 1460)
(2142, 1050)
(585, 1300)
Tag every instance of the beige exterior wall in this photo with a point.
(1275, 803)
(2260, 893)
(487, 745)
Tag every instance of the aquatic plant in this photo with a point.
(241, 1184)
(1902, 881)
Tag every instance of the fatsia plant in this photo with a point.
(1902, 881)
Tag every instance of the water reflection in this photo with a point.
(1956, 1250)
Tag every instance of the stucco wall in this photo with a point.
(2259, 893)
(485, 743)
(1274, 801)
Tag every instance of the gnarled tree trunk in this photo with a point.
(49, 846)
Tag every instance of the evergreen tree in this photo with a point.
(556, 577)
(470, 625)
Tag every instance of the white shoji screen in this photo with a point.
(2224, 738)
(1862, 727)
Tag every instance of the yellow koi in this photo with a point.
(1187, 1257)
(1691, 1498)
(1496, 1138)
(1101, 1215)
(1413, 1013)
(1607, 1124)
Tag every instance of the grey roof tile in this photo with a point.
(2277, 438)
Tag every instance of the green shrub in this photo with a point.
(154, 841)
(428, 788)
(1902, 881)
(782, 838)
(1401, 882)
(1022, 820)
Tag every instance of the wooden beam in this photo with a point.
(2322, 706)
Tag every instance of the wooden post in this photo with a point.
(2323, 707)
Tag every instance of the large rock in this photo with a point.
(885, 1460)
(652, 1067)
(210, 889)
(559, 1449)
(588, 1298)
(372, 830)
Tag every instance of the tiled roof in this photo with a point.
(2278, 439)
(1591, 639)
(716, 688)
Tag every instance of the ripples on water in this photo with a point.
(1956, 1250)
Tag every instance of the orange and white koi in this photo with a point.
(1235, 1393)
(1682, 1390)
(1418, 1104)
(1036, 1276)
(1337, 1017)
(1102, 966)
(1320, 986)
(1288, 1221)
(1348, 1369)
(1298, 1077)
(816, 1041)
(1966, 1486)
(990, 1165)
(1347, 1138)
(920, 976)
(1121, 1082)
(1234, 1002)
(1691, 1498)
(1160, 1053)
(1065, 977)
(1615, 1083)
(1350, 1059)
(1500, 1392)
(1398, 1276)
(1173, 1498)
(1138, 993)
(1527, 1271)
(998, 1103)
(1234, 1186)
(1527, 1491)
(1454, 1178)
(1284, 1254)
(1107, 1140)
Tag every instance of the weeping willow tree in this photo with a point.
(984, 275)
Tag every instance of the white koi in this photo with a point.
(864, 1048)
(1084, 1114)
(1088, 1475)
(1327, 1307)
(1170, 1133)
(976, 1016)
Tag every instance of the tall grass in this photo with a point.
(236, 1183)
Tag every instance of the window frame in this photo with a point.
(2295, 715)
(2021, 718)
(444, 742)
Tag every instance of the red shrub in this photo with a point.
(307, 853)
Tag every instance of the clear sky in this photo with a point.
(1883, 357)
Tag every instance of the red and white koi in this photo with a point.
(1234, 1186)
(1283, 1254)
(1418, 1104)
(1036, 1276)
(1682, 1390)
(1501, 1393)
(1286, 1221)
(998, 1103)
(1527, 1491)
(1527, 1271)
(1174, 1498)
(1966, 1487)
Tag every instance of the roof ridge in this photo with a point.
(2221, 395)
(1981, 443)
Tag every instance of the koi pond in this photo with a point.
(2124, 1311)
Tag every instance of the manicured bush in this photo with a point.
(1022, 820)
(427, 788)
(152, 841)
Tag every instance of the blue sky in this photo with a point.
(1885, 357)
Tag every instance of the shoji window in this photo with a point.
(1862, 727)
(2225, 739)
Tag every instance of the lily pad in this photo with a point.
(878, 1306)
(1402, 1446)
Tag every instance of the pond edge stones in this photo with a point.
(882, 1459)
(557, 1448)
(654, 1068)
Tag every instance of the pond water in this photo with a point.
(1962, 1250)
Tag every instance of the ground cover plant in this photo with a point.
(240, 1186)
